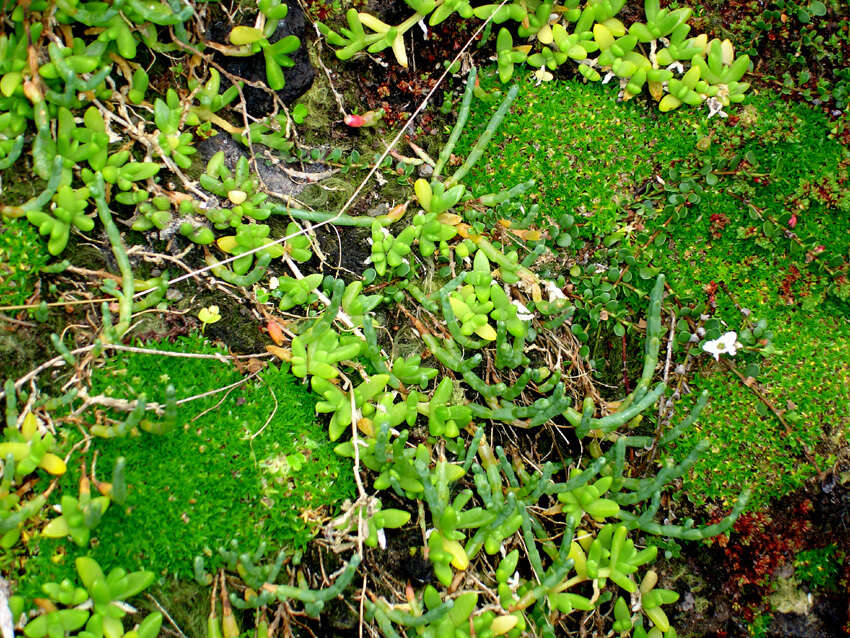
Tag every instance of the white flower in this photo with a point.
(274, 282)
(715, 107)
(522, 313)
(553, 291)
(542, 75)
(726, 344)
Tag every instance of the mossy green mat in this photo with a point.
(587, 152)
(598, 160)
(250, 464)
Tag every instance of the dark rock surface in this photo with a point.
(273, 176)
(299, 77)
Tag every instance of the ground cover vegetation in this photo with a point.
(720, 232)
(800, 45)
(474, 388)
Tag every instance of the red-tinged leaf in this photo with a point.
(275, 332)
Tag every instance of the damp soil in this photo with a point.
(345, 249)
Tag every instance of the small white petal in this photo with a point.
(553, 291)
(522, 312)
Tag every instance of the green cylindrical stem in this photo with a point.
(11, 404)
(649, 513)
(452, 324)
(58, 267)
(54, 403)
(472, 450)
(557, 572)
(483, 412)
(698, 533)
(409, 620)
(688, 421)
(481, 143)
(119, 482)
(13, 154)
(283, 592)
(452, 285)
(539, 249)
(481, 387)
(125, 300)
(505, 509)
(62, 349)
(587, 475)
(653, 338)
(317, 216)
(170, 408)
(136, 415)
(531, 544)
(556, 405)
(586, 417)
(517, 388)
(462, 116)
(248, 279)
(507, 470)
(430, 492)
(544, 482)
(509, 355)
(373, 350)
(37, 203)
(153, 298)
(664, 476)
(429, 304)
(613, 421)
(380, 617)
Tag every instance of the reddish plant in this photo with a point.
(719, 221)
(711, 290)
(785, 291)
(757, 547)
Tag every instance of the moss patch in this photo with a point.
(587, 153)
(22, 254)
(790, 167)
(624, 168)
(255, 466)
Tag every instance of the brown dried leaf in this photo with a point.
(284, 354)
